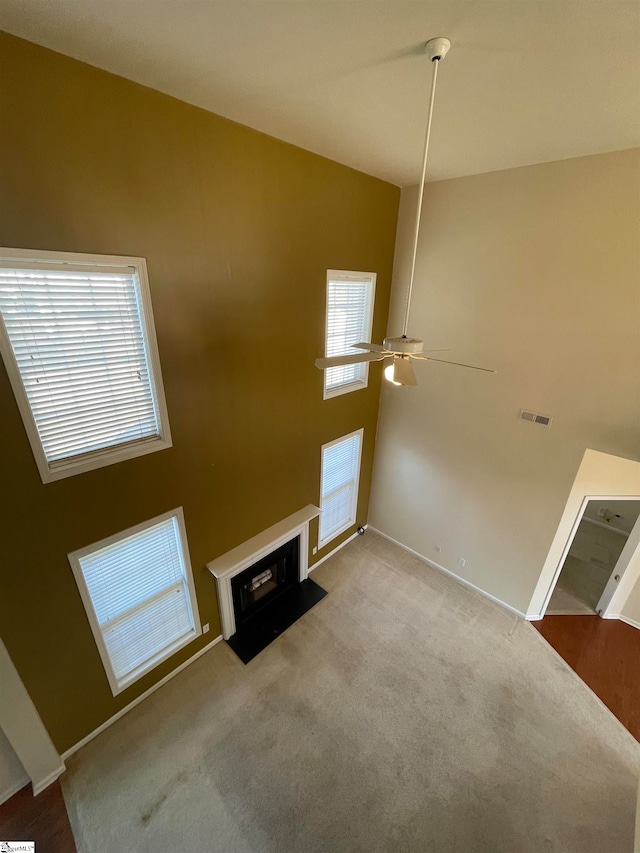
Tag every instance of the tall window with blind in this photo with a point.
(339, 478)
(350, 299)
(137, 589)
(78, 341)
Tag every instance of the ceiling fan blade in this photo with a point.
(371, 347)
(403, 372)
(457, 363)
(442, 349)
(339, 360)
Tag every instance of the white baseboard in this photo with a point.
(453, 575)
(37, 787)
(85, 740)
(41, 784)
(336, 549)
(13, 789)
(626, 619)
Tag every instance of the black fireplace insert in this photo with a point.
(268, 598)
(258, 586)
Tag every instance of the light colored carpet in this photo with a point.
(402, 713)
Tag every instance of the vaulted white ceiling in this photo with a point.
(526, 81)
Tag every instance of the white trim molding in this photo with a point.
(13, 789)
(600, 476)
(39, 260)
(118, 683)
(24, 729)
(355, 487)
(41, 784)
(336, 549)
(451, 574)
(85, 740)
(346, 277)
(227, 566)
(626, 619)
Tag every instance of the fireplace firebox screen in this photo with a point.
(264, 581)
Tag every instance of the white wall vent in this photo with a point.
(535, 418)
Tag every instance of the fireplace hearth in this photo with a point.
(268, 597)
(263, 585)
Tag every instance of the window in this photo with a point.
(339, 479)
(350, 297)
(79, 345)
(138, 592)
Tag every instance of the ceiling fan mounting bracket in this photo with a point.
(437, 48)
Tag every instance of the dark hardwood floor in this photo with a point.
(605, 653)
(42, 819)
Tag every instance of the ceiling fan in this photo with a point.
(404, 349)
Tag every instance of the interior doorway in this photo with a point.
(592, 561)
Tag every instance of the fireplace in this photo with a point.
(262, 584)
(257, 587)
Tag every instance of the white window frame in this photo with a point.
(118, 685)
(349, 275)
(116, 453)
(354, 504)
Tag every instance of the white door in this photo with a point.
(623, 577)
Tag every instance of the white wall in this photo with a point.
(24, 729)
(629, 511)
(631, 610)
(13, 776)
(533, 272)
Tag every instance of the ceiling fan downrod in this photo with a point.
(436, 49)
(403, 350)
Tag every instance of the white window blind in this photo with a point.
(138, 595)
(349, 321)
(339, 487)
(81, 351)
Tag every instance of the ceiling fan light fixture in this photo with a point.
(388, 374)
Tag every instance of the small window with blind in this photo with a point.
(78, 341)
(137, 589)
(339, 478)
(350, 299)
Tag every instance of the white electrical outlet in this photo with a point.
(602, 511)
(461, 561)
(314, 550)
(437, 549)
(205, 628)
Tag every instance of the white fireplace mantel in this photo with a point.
(228, 565)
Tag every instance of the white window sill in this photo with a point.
(337, 390)
(152, 663)
(98, 459)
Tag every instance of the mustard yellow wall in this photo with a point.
(238, 230)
